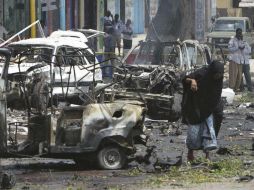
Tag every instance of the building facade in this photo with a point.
(73, 14)
(228, 8)
(236, 8)
(139, 11)
(15, 14)
(54, 14)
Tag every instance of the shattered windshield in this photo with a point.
(228, 25)
(32, 54)
(158, 54)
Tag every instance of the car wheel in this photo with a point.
(41, 97)
(111, 158)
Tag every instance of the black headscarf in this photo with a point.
(197, 106)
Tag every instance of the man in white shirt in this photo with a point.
(118, 28)
(108, 21)
(239, 58)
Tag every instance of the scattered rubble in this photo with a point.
(246, 178)
(250, 117)
(52, 113)
(154, 75)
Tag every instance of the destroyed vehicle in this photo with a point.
(153, 72)
(105, 131)
(65, 55)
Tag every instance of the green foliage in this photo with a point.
(205, 171)
(227, 168)
(246, 97)
(134, 172)
(114, 188)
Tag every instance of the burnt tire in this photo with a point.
(111, 158)
(41, 97)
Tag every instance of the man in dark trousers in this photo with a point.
(109, 52)
(239, 61)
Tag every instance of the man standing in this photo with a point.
(109, 52)
(239, 56)
(127, 37)
(246, 72)
(118, 27)
(108, 21)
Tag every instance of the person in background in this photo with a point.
(127, 37)
(108, 21)
(247, 75)
(109, 51)
(44, 28)
(118, 27)
(246, 69)
(239, 56)
(212, 22)
(201, 98)
(3, 32)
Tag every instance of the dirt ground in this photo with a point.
(168, 148)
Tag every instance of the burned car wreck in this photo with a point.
(153, 73)
(54, 81)
(71, 62)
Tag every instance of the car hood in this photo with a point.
(221, 34)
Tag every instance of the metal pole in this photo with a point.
(33, 17)
(81, 14)
(20, 32)
(100, 15)
(62, 15)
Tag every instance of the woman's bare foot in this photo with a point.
(207, 155)
(190, 156)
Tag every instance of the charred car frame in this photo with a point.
(153, 73)
(57, 128)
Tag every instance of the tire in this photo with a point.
(111, 158)
(41, 97)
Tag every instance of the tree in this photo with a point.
(174, 19)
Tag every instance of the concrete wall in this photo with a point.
(235, 12)
(225, 8)
(224, 4)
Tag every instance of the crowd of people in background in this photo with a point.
(116, 31)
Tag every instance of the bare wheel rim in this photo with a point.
(112, 158)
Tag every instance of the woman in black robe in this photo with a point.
(201, 102)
